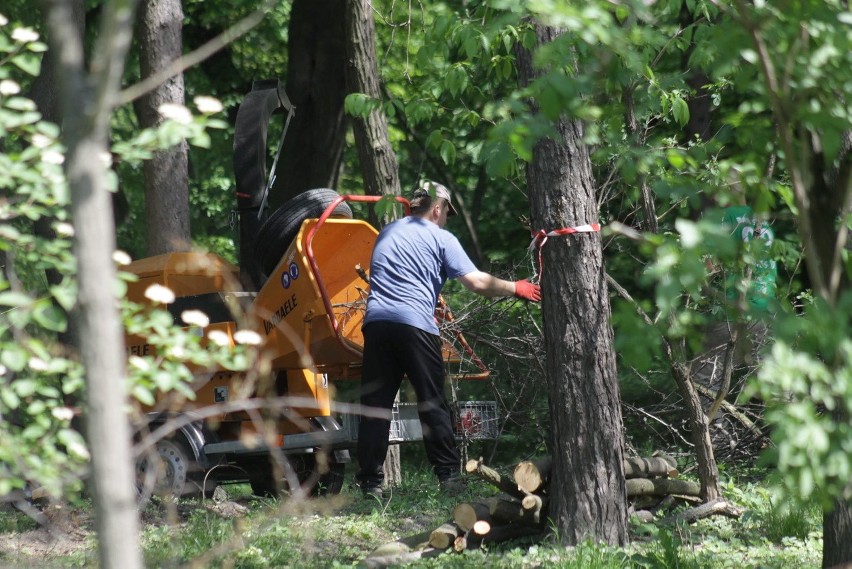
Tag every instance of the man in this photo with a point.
(412, 259)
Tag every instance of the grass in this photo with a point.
(341, 531)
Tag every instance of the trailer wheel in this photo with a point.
(328, 483)
(170, 470)
(277, 232)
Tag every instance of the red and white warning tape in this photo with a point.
(540, 237)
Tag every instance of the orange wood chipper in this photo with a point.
(301, 287)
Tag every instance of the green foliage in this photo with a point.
(807, 383)
(42, 385)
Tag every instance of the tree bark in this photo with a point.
(588, 499)
(316, 86)
(837, 527)
(379, 168)
(88, 101)
(166, 175)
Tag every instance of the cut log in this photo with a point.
(496, 534)
(460, 544)
(380, 562)
(537, 506)
(649, 467)
(533, 476)
(712, 508)
(482, 527)
(477, 468)
(509, 510)
(643, 516)
(444, 536)
(466, 514)
(661, 487)
(403, 545)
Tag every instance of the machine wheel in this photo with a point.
(277, 232)
(170, 471)
(327, 483)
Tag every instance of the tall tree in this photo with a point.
(316, 85)
(589, 499)
(88, 99)
(379, 167)
(166, 175)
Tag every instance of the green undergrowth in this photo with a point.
(245, 532)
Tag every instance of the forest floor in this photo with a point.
(241, 531)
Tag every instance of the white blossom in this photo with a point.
(160, 293)
(208, 104)
(9, 87)
(139, 363)
(219, 338)
(248, 337)
(175, 112)
(25, 35)
(64, 228)
(52, 157)
(41, 141)
(3, 20)
(121, 257)
(63, 413)
(195, 318)
(38, 364)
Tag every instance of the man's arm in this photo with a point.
(489, 285)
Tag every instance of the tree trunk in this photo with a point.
(837, 527)
(379, 168)
(88, 103)
(316, 86)
(588, 483)
(166, 175)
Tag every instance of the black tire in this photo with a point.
(322, 484)
(170, 471)
(277, 232)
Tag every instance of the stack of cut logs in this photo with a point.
(521, 508)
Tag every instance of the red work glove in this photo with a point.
(527, 290)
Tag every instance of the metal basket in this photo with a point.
(475, 420)
(472, 420)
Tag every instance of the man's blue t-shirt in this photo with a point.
(412, 260)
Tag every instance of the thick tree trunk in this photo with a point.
(837, 528)
(88, 102)
(166, 175)
(588, 483)
(316, 86)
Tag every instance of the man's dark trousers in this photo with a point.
(391, 351)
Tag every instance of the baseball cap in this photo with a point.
(440, 191)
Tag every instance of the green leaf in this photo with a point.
(10, 399)
(50, 318)
(680, 110)
(448, 152)
(15, 299)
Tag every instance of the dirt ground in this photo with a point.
(62, 532)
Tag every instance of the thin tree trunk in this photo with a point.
(379, 167)
(166, 175)
(589, 499)
(88, 104)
